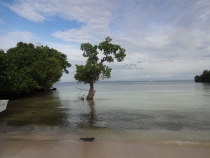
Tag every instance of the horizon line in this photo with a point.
(134, 81)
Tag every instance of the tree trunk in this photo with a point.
(91, 92)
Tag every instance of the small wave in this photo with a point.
(186, 143)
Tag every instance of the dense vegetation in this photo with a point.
(205, 77)
(27, 68)
(95, 68)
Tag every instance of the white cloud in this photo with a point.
(72, 51)
(170, 37)
(95, 16)
(10, 40)
(81, 10)
(28, 10)
(85, 34)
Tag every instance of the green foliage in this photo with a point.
(204, 77)
(27, 68)
(94, 70)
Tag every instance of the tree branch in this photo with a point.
(82, 89)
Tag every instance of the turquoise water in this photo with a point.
(145, 111)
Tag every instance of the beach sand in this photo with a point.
(46, 147)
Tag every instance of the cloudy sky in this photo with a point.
(164, 39)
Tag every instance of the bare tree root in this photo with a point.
(83, 96)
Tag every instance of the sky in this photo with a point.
(164, 39)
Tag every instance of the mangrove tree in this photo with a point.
(27, 68)
(95, 69)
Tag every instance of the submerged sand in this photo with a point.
(43, 147)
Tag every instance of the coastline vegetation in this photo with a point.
(204, 77)
(26, 68)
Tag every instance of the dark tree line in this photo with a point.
(204, 77)
(27, 68)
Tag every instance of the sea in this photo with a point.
(169, 112)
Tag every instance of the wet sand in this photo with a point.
(42, 147)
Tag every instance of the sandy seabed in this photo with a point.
(15, 147)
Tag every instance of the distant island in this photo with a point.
(204, 77)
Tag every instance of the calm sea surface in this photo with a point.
(144, 111)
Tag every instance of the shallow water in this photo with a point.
(145, 111)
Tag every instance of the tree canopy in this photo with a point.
(94, 69)
(204, 77)
(26, 68)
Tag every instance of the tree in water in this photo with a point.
(94, 69)
(26, 68)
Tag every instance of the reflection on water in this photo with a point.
(36, 111)
(47, 111)
(88, 120)
(131, 106)
(206, 88)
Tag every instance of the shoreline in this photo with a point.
(17, 147)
